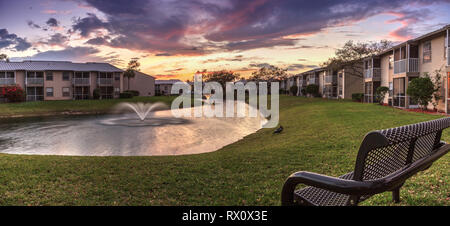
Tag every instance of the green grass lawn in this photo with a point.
(85, 106)
(319, 135)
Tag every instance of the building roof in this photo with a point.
(310, 71)
(138, 73)
(167, 82)
(56, 66)
(427, 35)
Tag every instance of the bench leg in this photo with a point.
(396, 195)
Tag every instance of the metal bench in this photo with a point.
(386, 159)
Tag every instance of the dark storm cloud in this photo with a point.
(259, 43)
(31, 24)
(69, 53)
(88, 24)
(162, 26)
(10, 40)
(295, 67)
(174, 70)
(259, 65)
(163, 54)
(56, 40)
(77, 54)
(98, 41)
(52, 22)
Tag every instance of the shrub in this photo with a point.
(357, 97)
(126, 95)
(134, 92)
(381, 93)
(421, 90)
(96, 94)
(303, 91)
(293, 90)
(312, 90)
(437, 81)
(282, 91)
(14, 93)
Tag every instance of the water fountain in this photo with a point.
(207, 96)
(141, 109)
(142, 114)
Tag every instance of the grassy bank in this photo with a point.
(319, 135)
(67, 106)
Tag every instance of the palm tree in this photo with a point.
(133, 66)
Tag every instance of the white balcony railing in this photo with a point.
(331, 79)
(406, 65)
(413, 65)
(34, 81)
(372, 73)
(81, 81)
(7, 81)
(109, 81)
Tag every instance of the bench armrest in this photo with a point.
(358, 188)
(349, 187)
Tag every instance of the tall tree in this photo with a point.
(222, 77)
(351, 53)
(269, 73)
(4, 57)
(133, 66)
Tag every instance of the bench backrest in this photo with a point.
(386, 151)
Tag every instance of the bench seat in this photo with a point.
(320, 197)
(386, 159)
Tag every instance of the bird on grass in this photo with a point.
(279, 130)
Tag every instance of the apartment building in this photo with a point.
(330, 84)
(321, 73)
(310, 77)
(394, 68)
(301, 83)
(291, 81)
(398, 66)
(164, 87)
(141, 82)
(62, 80)
(372, 78)
(283, 85)
(350, 80)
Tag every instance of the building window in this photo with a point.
(49, 76)
(427, 52)
(49, 91)
(117, 77)
(66, 76)
(66, 92)
(116, 91)
(7, 78)
(81, 74)
(9, 74)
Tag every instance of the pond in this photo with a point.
(96, 136)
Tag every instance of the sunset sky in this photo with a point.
(175, 38)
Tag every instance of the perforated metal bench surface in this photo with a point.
(386, 159)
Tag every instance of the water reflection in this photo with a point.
(90, 136)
